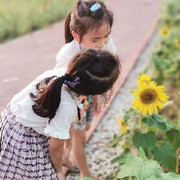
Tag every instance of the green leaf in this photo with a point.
(157, 62)
(146, 141)
(170, 125)
(154, 121)
(128, 114)
(127, 143)
(142, 154)
(166, 155)
(174, 137)
(139, 168)
(86, 178)
(158, 122)
(114, 142)
(165, 176)
(120, 159)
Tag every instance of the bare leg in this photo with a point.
(79, 154)
(66, 165)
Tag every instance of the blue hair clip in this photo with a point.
(95, 7)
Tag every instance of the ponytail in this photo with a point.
(67, 31)
(48, 97)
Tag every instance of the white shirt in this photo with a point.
(59, 126)
(70, 49)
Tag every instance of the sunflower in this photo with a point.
(149, 97)
(178, 43)
(164, 32)
(143, 78)
(122, 125)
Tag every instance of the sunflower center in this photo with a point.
(148, 96)
(165, 32)
(122, 123)
(178, 42)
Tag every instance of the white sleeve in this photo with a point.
(62, 61)
(66, 53)
(110, 46)
(59, 126)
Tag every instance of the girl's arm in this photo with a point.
(97, 104)
(56, 150)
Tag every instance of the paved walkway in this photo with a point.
(22, 59)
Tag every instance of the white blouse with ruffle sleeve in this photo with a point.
(59, 126)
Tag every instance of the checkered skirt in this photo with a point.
(24, 154)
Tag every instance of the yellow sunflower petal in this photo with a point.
(143, 79)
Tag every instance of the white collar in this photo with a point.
(74, 96)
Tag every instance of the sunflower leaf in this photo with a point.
(165, 176)
(166, 155)
(119, 159)
(146, 141)
(86, 178)
(114, 142)
(157, 62)
(142, 154)
(158, 122)
(140, 168)
(174, 137)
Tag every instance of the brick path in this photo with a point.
(22, 59)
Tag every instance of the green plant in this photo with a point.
(157, 136)
(166, 58)
(142, 168)
(86, 178)
(20, 17)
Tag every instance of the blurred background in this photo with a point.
(18, 17)
(32, 33)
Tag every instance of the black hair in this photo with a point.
(82, 19)
(97, 71)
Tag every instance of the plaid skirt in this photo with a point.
(24, 154)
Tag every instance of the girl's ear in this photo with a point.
(75, 36)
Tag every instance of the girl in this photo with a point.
(37, 121)
(87, 26)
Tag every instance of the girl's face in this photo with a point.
(96, 38)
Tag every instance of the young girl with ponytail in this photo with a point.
(87, 26)
(36, 123)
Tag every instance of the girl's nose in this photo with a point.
(101, 44)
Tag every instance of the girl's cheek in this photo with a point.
(106, 40)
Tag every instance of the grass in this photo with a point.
(18, 17)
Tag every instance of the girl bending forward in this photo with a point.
(36, 124)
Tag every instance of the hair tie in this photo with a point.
(64, 77)
(73, 83)
(95, 7)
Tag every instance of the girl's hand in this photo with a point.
(60, 176)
